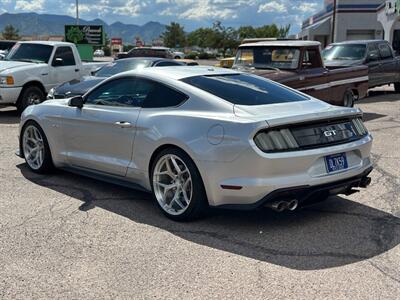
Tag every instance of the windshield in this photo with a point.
(122, 66)
(35, 53)
(245, 89)
(268, 57)
(344, 52)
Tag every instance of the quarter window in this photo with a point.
(385, 51)
(66, 54)
(311, 59)
(158, 95)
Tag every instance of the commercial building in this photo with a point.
(342, 20)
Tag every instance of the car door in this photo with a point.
(373, 62)
(387, 68)
(100, 135)
(312, 75)
(63, 66)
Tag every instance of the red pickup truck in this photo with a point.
(298, 64)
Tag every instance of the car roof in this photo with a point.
(283, 43)
(354, 42)
(49, 43)
(152, 59)
(180, 72)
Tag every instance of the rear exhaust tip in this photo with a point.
(278, 206)
(365, 181)
(292, 205)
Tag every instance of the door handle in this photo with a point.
(76, 70)
(123, 124)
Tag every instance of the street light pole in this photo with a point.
(77, 12)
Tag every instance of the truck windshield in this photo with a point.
(344, 52)
(35, 53)
(268, 57)
(245, 89)
(122, 66)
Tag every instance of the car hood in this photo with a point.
(9, 65)
(293, 112)
(342, 63)
(77, 87)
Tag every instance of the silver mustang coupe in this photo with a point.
(199, 137)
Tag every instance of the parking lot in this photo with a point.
(63, 235)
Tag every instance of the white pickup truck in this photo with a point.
(31, 69)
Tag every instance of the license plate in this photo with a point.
(336, 162)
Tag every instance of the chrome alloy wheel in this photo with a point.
(172, 184)
(33, 147)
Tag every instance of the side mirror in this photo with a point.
(76, 102)
(372, 57)
(58, 62)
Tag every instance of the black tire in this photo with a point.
(348, 98)
(198, 205)
(30, 95)
(176, 57)
(397, 87)
(47, 165)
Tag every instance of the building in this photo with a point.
(342, 20)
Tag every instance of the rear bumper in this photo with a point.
(305, 193)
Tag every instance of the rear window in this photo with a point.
(244, 89)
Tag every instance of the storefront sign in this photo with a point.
(84, 34)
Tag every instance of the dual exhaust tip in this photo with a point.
(280, 206)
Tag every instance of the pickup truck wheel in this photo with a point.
(29, 96)
(397, 87)
(348, 99)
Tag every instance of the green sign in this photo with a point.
(84, 34)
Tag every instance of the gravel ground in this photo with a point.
(64, 236)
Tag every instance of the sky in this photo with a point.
(190, 13)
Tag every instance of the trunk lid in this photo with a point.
(294, 112)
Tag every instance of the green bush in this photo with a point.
(192, 55)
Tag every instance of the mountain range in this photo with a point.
(48, 24)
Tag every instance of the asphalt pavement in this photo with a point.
(64, 236)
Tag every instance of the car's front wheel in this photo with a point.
(348, 99)
(30, 95)
(177, 185)
(35, 148)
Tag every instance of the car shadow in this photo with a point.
(376, 96)
(9, 116)
(330, 234)
(367, 117)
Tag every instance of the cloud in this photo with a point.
(272, 6)
(33, 5)
(308, 7)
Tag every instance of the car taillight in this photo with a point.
(359, 126)
(275, 140)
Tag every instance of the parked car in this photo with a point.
(98, 53)
(200, 136)
(178, 54)
(377, 55)
(79, 87)
(298, 64)
(31, 69)
(161, 52)
(188, 62)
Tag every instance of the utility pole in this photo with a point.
(77, 12)
(333, 21)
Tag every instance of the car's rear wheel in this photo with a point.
(177, 185)
(29, 96)
(348, 99)
(35, 148)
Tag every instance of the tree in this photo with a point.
(174, 36)
(202, 37)
(224, 38)
(10, 33)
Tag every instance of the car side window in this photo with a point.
(119, 92)
(311, 59)
(373, 52)
(385, 51)
(156, 95)
(66, 54)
